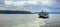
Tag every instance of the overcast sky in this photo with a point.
(31, 5)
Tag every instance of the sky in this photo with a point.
(30, 5)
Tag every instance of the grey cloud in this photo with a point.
(29, 7)
(2, 3)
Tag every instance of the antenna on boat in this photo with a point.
(45, 10)
(42, 10)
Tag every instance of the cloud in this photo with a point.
(2, 8)
(30, 5)
(30, 2)
(20, 3)
(14, 3)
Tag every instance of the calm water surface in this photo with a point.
(29, 20)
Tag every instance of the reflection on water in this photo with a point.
(36, 23)
(29, 20)
(20, 20)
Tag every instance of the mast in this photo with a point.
(45, 10)
(42, 10)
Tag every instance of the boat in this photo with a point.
(43, 14)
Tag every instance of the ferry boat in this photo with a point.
(43, 14)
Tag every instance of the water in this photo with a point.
(28, 20)
(53, 21)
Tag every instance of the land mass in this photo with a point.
(14, 12)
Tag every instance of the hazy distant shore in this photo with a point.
(23, 12)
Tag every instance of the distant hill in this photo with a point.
(14, 12)
(22, 12)
(48, 12)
